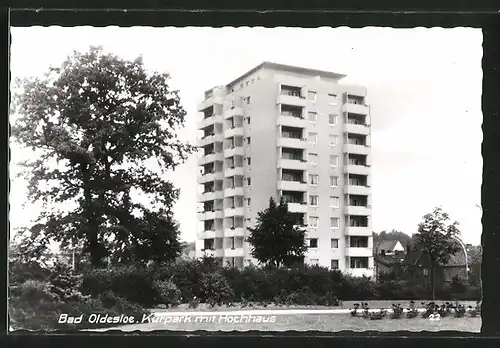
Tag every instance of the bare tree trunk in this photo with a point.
(433, 281)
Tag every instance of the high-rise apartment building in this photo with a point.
(283, 131)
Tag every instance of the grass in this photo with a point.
(321, 322)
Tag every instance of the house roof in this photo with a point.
(387, 260)
(418, 258)
(387, 245)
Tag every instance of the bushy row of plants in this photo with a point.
(36, 304)
(206, 282)
(430, 310)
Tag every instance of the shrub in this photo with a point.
(412, 310)
(215, 289)
(460, 311)
(168, 293)
(457, 286)
(19, 272)
(65, 284)
(397, 311)
(194, 302)
(133, 283)
(33, 306)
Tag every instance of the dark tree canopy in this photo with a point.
(99, 125)
(277, 239)
(435, 238)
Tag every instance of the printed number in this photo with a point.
(435, 316)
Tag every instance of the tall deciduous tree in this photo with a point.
(435, 239)
(100, 125)
(277, 239)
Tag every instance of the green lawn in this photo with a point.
(322, 322)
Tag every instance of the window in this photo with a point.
(311, 96)
(249, 181)
(332, 99)
(313, 179)
(334, 160)
(334, 181)
(246, 83)
(359, 262)
(242, 85)
(249, 202)
(248, 98)
(312, 137)
(332, 119)
(313, 200)
(248, 120)
(248, 140)
(313, 221)
(334, 222)
(334, 139)
(312, 116)
(313, 158)
(249, 161)
(313, 243)
(334, 264)
(334, 243)
(334, 202)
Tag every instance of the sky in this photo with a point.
(424, 88)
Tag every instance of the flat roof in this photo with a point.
(295, 69)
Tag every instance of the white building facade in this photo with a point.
(283, 131)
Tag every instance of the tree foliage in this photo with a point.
(435, 239)
(99, 125)
(277, 239)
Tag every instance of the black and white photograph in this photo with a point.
(235, 179)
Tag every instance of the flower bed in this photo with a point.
(430, 310)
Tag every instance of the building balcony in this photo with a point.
(297, 208)
(236, 131)
(211, 215)
(211, 234)
(210, 196)
(357, 149)
(236, 191)
(236, 252)
(357, 129)
(357, 169)
(234, 171)
(292, 186)
(213, 157)
(215, 138)
(292, 164)
(209, 177)
(360, 272)
(358, 210)
(358, 231)
(233, 111)
(356, 109)
(215, 99)
(234, 151)
(292, 121)
(292, 143)
(358, 252)
(291, 100)
(356, 190)
(210, 121)
(237, 211)
(234, 232)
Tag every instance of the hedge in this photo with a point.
(312, 284)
